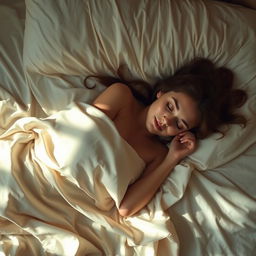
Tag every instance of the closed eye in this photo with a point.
(170, 107)
(178, 125)
(178, 107)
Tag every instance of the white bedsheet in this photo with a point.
(49, 204)
(55, 170)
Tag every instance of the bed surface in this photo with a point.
(53, 201)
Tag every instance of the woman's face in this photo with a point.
(172, 113)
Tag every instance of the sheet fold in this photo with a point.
(73, 159)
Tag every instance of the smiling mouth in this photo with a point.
(157, 125)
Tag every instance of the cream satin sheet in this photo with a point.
(59, 191)
(62, 178)
(64, 168)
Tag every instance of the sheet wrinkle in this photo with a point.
(54, 197)
(128, 36)
(123, 140)
(41, 138)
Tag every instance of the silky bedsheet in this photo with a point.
(57, 201)
(64, 168)
(61, 178)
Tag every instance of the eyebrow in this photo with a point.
(176, 103)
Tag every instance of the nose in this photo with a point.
(169, 120)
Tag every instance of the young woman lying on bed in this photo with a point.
(191, 104)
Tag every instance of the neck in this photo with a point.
(141, 113)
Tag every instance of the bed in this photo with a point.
(64, 169)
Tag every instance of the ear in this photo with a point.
(159, 94)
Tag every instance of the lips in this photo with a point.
(157, 125)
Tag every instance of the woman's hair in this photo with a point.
(211, 87)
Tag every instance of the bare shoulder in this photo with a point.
(119, 90)
(113, 99)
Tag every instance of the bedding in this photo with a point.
(246, 3)
(64, 168)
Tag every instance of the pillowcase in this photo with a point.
(153, 38)
(246, 3)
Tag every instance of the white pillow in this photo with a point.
(153, 38)
(246, 3)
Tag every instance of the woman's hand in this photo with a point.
(182, 145)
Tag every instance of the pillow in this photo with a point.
(11, 45)
(153, 38)
(246, 3)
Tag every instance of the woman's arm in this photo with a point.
(142, 191)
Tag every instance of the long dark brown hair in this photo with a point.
(211, 87)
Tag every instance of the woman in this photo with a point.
(192, 103)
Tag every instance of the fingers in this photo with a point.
(186, 136)
(183, 145)
(188, 140)
(186, 133)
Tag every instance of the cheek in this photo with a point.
(161, 109)
(155, 109)
(171, 130)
